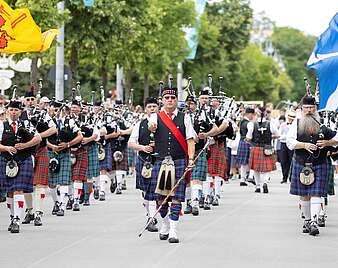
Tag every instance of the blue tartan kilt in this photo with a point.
(107, 162)
(23, 181)
(243, 153)
(150, 184)
(200, 170)
(63, 177)
(139, 177)
(320, 185)
(93, 169)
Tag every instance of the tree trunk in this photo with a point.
(73, 63)
(34, 73)
(145, 87)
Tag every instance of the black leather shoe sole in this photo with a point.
(173, 240)
(195, 211)
(243, 184)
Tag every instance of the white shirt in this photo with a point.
(26, 123)
(283, 130)
(291, 136)
(189, 128)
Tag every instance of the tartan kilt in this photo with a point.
(123, 165)
(23, 181)
(260, 162)
(234, 162)
(200, 170)
(139, 177)
(41, 167)
(151, 183)
(243, 152)
(65, 172)
(318, 188)
(79, 170)
(330, 189)
(132, 157)
(93, 169)
(217, 161)
(107, 162)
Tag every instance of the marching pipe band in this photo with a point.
(75, 148)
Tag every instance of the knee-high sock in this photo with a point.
(164, 210)
(265, 177)
(257, 179)
(206, 186)
(77, 190)
(305, 208)
(146, 206)
(19, 202)
(70, 191)
(97, 181)
(244, 171)
(251, 173)
(316, 203)
(10, 205)
(54, 194)
(175, 210)
(188, 193)
(119, 178)
(103, 179)
(62, 198)
(218, 181)
(195, 188)
(29, 201)
(39, 197)
(152, 208)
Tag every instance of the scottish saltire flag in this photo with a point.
(324, 59)
(191, 33)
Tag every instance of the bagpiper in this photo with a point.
(18, 139)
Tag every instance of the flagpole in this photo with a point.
(59, 76)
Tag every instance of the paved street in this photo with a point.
(247, 230)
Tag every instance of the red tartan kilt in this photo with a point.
(79, 170)
(217, 161)
(260, 162)
(41, 167)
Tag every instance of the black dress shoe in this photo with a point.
(283, 181)
(265, 188)
(70, 204)
(37, 220)
(313, 229)
(251, 180)
(306, 227)
(29, 217)
(258, 190)
(242, 183)
(206, 206)
(113, 186)
(96, 193)
(118, 191)
(215, 203)
(201, 202)
(76, 207)
(152, 227)
(102, 196)
(188, 209)
(10, 224)
(163, 236)
(15, 226)
(195, 211)
(60, 213)
(56, 208)
(173, 240)
(321, 221)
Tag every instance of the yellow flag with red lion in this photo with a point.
(19, 32)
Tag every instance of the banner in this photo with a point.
(19, 32)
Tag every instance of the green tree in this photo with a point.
(295, 48)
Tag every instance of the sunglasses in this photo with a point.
(30, 99)
(170, 97)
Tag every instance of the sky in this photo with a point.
(310, 16)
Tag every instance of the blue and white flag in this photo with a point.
(324, 59)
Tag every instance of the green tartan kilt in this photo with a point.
(93, 169)
(63, 177)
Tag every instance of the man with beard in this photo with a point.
(310, 170)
